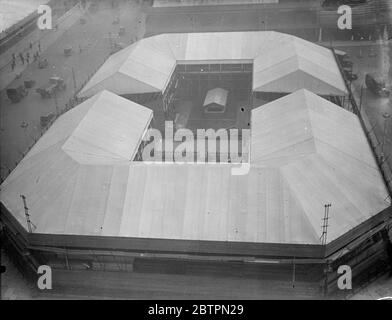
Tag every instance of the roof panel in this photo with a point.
(278, 60)
(108, 69)
(113, 128)
(323, 153)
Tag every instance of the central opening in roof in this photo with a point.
(210, 96)
(206, 95)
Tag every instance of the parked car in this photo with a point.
(45, 120)
(16, 94)
(350, 76)
(29, 83)
(377, 87)
(346, 63)
(68, 51)
(56, 84)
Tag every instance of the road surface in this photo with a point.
(94, 39)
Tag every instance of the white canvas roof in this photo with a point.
(139, 68)
(305, 152)
(217, 96)
(281, 62)
(323, 155)
(104, 129)
(297, 64)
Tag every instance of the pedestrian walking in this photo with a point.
(27, 57)
(39, 46)
(13, 57)
(13, 63)
(31, 45)
(21, 57)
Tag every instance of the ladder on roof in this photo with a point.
(324, 233)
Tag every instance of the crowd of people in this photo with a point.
(35, 53)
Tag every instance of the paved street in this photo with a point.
(94, 40)
(367, 58)
(45, 38)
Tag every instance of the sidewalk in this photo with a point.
(352, 43)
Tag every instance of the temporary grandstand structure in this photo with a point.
(79, 180)
(216, 100)
(281, 62)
